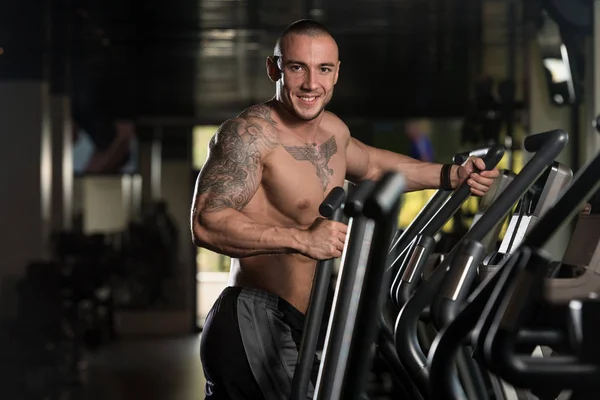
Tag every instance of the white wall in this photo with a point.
(106, 203)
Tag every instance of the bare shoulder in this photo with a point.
(247, 132)
(259, 111)
(232, 171)
(335, 123)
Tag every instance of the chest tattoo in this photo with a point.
(317, 155)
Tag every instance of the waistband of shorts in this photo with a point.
(267, 299)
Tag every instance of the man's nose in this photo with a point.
(310, 81)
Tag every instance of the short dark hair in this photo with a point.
(307, 27)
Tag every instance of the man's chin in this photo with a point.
(308, 116)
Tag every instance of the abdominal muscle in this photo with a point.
(289, 276)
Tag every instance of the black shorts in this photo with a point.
(249, 346)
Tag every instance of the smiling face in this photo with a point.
(305, 72)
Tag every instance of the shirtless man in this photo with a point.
(256, 200)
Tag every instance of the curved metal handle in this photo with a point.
(460, 158)
(546, 141)
(356, 200)
(493, 156)
(462, 193)
(385, 197)
(332, 202)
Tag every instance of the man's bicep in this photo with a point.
(357, 160)
(233, 169)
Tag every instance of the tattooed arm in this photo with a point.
(226, 184)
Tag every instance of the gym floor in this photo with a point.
(143, 369)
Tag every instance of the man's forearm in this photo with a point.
(426, 176)
(235, 235)
(418, 175)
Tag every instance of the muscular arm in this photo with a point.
(366, 162)
(226, 184)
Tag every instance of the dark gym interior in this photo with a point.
(107, 108)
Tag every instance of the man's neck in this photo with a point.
(307, 130)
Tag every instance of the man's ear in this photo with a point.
(337, 72)
(273, 70)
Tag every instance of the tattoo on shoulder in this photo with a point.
(261, 111)
(231, 174)
(317, 155)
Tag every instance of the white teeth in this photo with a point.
(307, 98)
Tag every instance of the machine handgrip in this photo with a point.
(460, 158)
(491, 159)
(493, 156)
(546, 141)
(356, 199)
(332, 202)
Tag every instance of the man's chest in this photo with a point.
(298, 177)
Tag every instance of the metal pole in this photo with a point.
(372, 298)
(330, 208)
(349, 286)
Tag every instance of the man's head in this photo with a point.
(304, 66)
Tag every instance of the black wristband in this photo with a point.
(445, 181)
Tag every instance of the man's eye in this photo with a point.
(295, 68)
(325, 69)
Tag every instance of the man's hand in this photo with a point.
(325, 239)
(479, 182)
